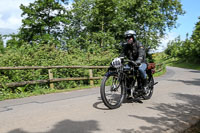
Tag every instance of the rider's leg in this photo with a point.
(142, 69)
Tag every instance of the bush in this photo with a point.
(49, 55)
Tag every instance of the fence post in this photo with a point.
(91, 76)
(50, 77)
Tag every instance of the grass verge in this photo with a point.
(157, 74)
(182, 64)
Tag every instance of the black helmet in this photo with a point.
(129, 33)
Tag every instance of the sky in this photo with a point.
(10, 19)
(186, 23)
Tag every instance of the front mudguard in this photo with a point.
(110, 73)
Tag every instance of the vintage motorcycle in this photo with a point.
(123, 81)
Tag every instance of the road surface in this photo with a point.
(174, 106)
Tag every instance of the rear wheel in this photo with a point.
(150, 87)
(112, 91)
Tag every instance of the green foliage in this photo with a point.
(49, 55)
(97, 22)
(196, 40)
(187, 50)
(43, 21)
(88, 33)
(174, 47)
(149, 19)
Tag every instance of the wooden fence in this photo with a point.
(159, 67)
(51, 79)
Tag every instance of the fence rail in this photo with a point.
(50, 67)
(51, 80)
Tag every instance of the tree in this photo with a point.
(189, 49)
(43, 20)
(103, 13)
(149, 18)
(196, 41)
(174, 48)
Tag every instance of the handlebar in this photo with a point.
(122, 59)
(132, 62)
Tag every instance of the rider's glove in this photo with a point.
(138, 62)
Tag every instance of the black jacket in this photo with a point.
(134, 52)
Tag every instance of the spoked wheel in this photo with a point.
(149, 90)
(112, 92)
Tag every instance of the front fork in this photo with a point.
(116, 82)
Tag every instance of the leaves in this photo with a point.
(49, 55)
(149, 18)
(43, 19)
(88, 33)
(189, 49)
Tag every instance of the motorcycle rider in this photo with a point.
(135, 51)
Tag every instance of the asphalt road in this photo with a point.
(174, 106)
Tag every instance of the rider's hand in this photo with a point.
(138, 62)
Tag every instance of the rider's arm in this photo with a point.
(141, 51)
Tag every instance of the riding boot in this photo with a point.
(144, 82)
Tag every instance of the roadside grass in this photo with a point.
(175, 62)
(158, 58)
(162, 72)
(182, 64)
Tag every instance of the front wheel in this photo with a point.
(112, 91)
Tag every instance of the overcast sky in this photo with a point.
(10, 18)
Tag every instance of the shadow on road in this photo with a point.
(195, 71)
(172, 116)
(69, 126)
(98, 104)
(194, 82)
(133, 100)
